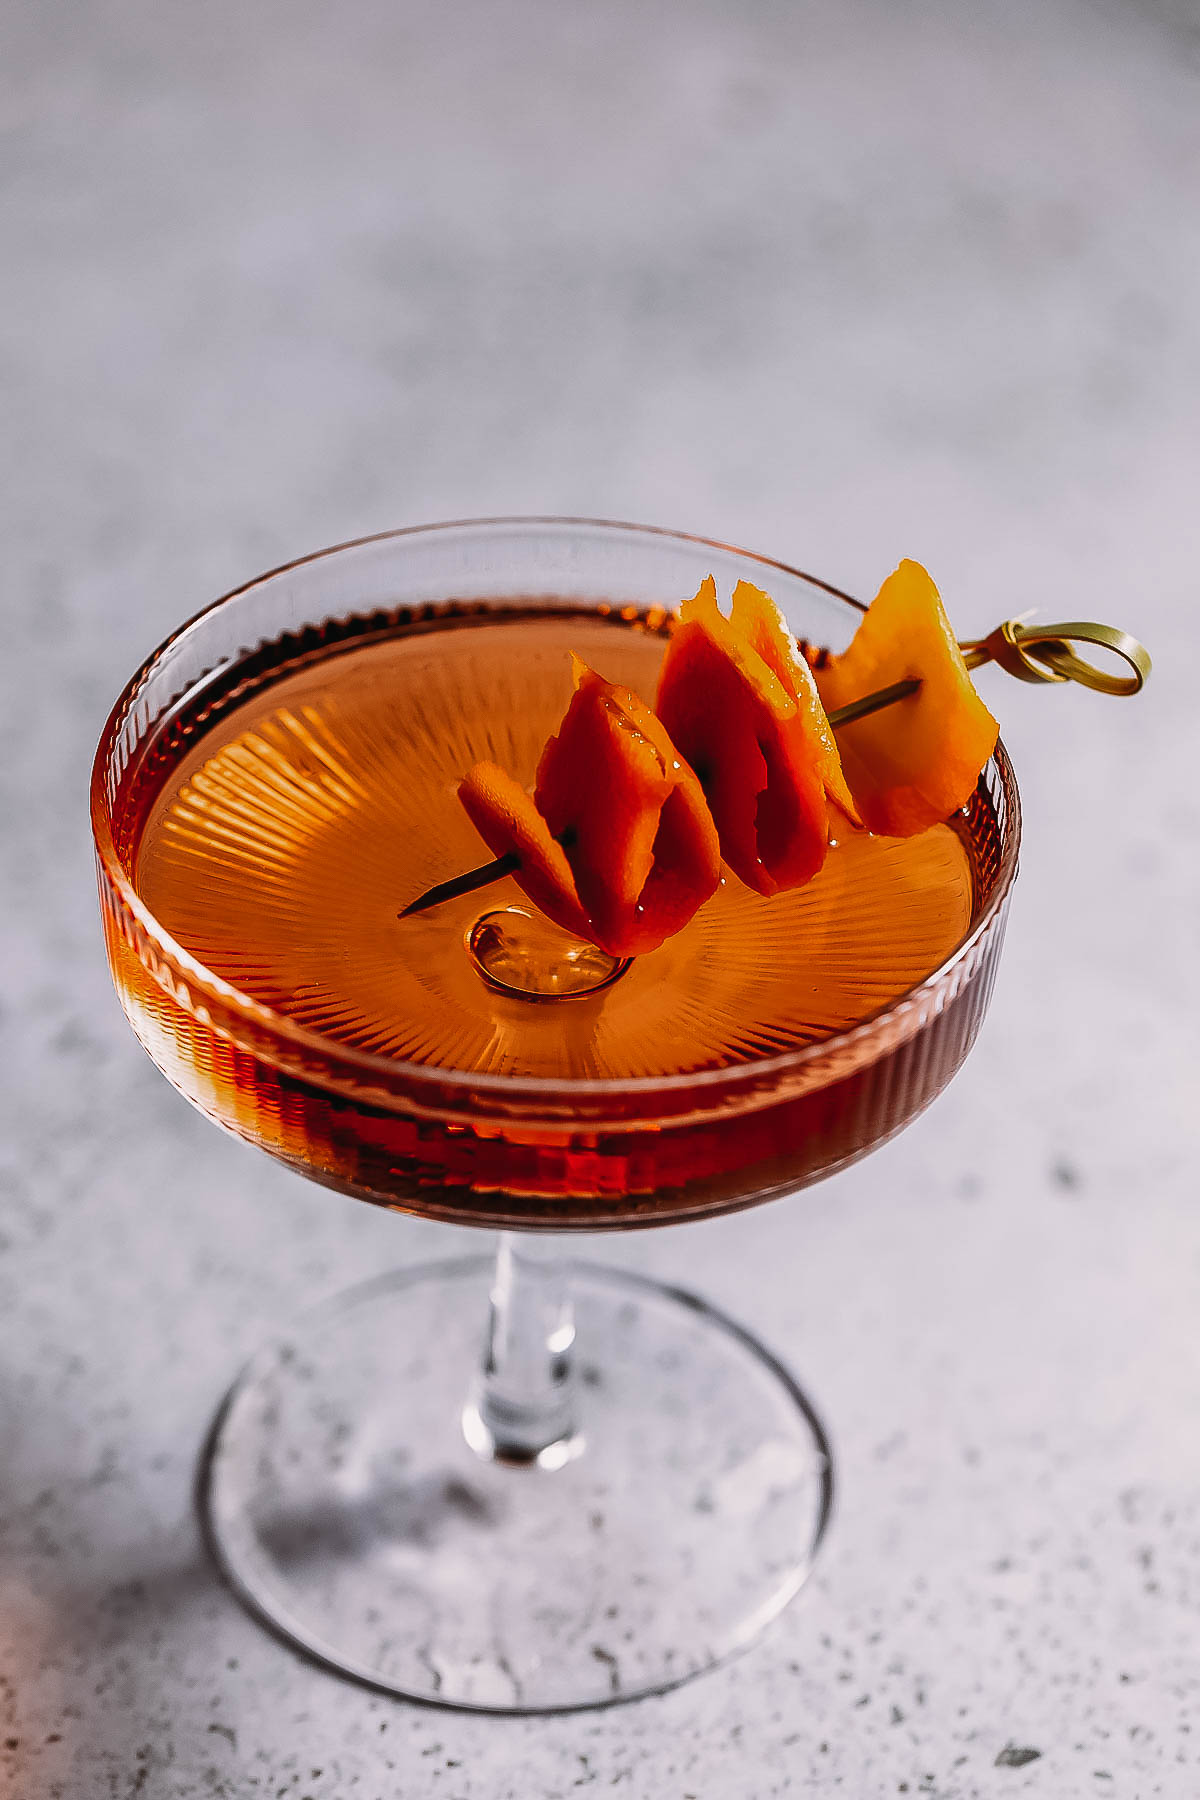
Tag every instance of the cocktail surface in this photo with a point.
(280, 837)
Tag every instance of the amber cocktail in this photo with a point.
(274, 786)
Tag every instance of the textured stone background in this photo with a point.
(842, 280)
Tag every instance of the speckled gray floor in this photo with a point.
(844, 282)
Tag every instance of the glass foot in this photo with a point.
(348, 1510)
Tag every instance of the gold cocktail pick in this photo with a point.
(1030, 652)
(1044, 653)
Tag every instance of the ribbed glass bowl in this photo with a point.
(494, 1149)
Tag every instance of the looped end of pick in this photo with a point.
(1047, 653)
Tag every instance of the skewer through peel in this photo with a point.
(741, 707)
(617, 844)
(919, 765)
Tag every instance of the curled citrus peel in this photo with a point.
(616, 843)
(758, 619)
(740, 704)
(914, 764)
(509, 823)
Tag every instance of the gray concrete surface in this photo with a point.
(842, 281)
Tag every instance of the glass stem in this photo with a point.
(523, 1406)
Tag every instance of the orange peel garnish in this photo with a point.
(737, 699)
(917, 762)
(616, 844)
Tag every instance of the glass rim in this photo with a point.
(397, 1074)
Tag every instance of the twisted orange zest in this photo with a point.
(739, 702)
(616, 844)
(914, 764)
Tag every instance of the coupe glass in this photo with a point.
(516, 1483)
